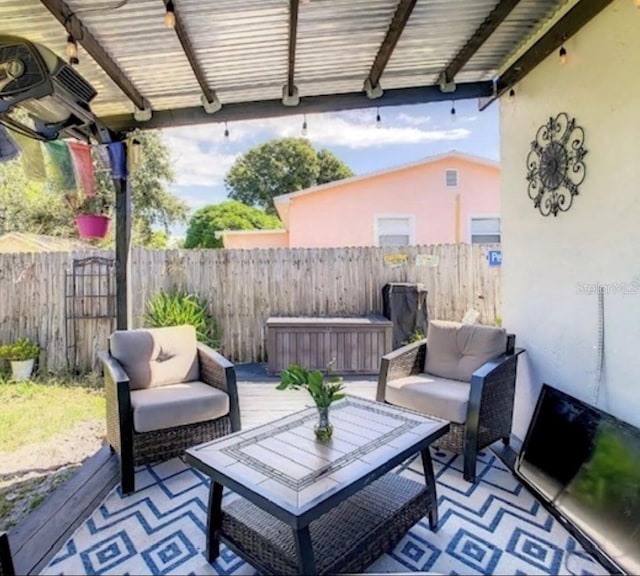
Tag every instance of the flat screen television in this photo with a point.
(585, 466)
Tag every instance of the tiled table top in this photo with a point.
(284, 464)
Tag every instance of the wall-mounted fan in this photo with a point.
(51, 91)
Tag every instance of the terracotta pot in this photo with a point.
(92, 225)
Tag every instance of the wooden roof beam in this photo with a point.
(74, 26)
(290, 95)
(398, 22)
(479, 37)
(310, 105)
(582, 13)
(210, 100)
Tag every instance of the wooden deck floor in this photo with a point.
(39, 537)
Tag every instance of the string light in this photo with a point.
(378, 118)
(512, 94)
(304, 126)
(562, 54)
(453, 111)
(226, 131)
(72, 47)
(170, 15)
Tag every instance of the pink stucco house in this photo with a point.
(451, 197)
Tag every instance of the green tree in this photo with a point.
(41, 207)
(205, 224)
(279, 167)
(153, 205)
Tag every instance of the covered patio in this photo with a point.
(227, 61)
(494, 526)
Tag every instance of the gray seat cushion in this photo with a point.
(440, 397)
(157, 356)
(455, 351)
(176, 405)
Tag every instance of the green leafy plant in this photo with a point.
(323, 390)
(176, 308)
(21, 349)
(80, 203)
(414, 337)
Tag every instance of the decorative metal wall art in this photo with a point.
(555, 167)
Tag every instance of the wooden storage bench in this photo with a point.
(356, 344)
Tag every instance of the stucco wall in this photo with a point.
(344, 215)
(252, 239)
(551, 264)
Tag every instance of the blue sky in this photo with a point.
(202, 156)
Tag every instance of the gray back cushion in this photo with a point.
(157, 356)
(456, 350)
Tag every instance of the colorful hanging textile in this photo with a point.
(31, 156)
(61, 160)
(83, 164)
(118, 158)
(8, 148)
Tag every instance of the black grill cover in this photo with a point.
(406, 306)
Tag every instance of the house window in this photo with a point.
(394, 230)
(451, 178)
(485, 230)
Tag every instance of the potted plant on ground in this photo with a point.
(323, 390)
(92, 218)
(22, 354)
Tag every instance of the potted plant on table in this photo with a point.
(21, 354)
(323, 389)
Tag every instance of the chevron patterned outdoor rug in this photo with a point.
(493, 527)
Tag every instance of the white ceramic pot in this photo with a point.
(21, 369)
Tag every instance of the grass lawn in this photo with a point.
(34, 411)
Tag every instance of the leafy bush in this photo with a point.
(21, 349)
(414, 337)
(177, 308)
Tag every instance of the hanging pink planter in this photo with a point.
(92, 226)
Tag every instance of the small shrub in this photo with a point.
(414, 337)
(177, 308)
(21, 349)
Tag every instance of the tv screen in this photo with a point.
(586, 464)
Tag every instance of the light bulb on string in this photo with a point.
(72, 47)
(226, 131)
(562, 55)
(512, 95)
(453, 111)
(378, 118)
(304, 125)
(170, 15)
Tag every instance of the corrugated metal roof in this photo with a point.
(242, 46)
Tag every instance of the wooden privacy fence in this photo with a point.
(244, 288)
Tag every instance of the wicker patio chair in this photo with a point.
(6, 562)
(462, 373)
(165, 392)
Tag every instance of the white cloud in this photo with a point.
(354, 130)
(198, 155)
(413, 120)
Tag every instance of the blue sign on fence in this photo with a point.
(495, 257)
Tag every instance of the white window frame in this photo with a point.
(457, 184)
(473, 217)
(412, 226)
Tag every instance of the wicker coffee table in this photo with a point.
(302, 507)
